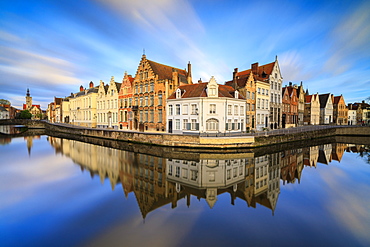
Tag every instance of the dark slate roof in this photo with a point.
(323, 99)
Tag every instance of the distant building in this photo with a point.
(4, 113)
(107, 104)
(290, 106)
(312, 110)
(205, 108)
(35, 110)
(340, 111)
(301, 103)
(126, 116)
(326, 108)
(82, 107)
(352, 114)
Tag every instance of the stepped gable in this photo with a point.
(164, 71)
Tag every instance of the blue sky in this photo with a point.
(53, 47)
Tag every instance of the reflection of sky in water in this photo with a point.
(45, 199)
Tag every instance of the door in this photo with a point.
(170, 126)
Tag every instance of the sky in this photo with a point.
(54, 46)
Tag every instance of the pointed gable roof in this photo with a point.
(164, 71)
(323, 98)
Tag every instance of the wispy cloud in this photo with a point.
(350, 41)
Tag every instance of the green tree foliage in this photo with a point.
(25, 114)
(4, 102)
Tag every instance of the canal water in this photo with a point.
(62, 192)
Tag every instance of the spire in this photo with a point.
(28, 92)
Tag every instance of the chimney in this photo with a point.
(190, 81)
(81, 88)
(234, 77)
(255, 68)
(91, 84)
(290, 83)
(200, 80)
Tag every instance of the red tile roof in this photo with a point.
(164, 71)
(25, 106)
(199, 90)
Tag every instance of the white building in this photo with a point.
(107, 104)
(205, 108)
(326, 108)
(352, 114)
(4, 114)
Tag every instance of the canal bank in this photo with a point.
(200, 142)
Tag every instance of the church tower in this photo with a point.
(28, 100)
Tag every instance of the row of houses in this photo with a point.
(164, 98)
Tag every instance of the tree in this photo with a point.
(4, 102)
(26, 114)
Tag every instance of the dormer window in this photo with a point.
(236, 94)
(178, 94)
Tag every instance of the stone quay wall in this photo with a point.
(198, 142)
(161, 139)
(310, 135)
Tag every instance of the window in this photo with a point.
(267, 92)
(160, 99)
(263, 104)
(146, 100)
(185, 109)
(236, 110)
(177, 109)
(194, 109)
(193, 124)
(263, 91)
(160, 116)
(228, 109)
(253, 95)
(212, 124)
(248, 95)
(242, 110)
(141, 101)
(152, 86)
(185, 125)
(259, 90)
(151, 116)
(151, 102)
(194, 175)
(228, 125)
(170, 110)
(212, 108)
(177, 124)
(258, 103)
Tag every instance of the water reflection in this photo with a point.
(157, 181)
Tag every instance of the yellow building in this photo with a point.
(107, 104)
(82, 107)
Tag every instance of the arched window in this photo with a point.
(212, 124)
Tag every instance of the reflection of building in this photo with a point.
(310, 156)
(211, 175)
(338, 151)
(157, 181)
(325, 154)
